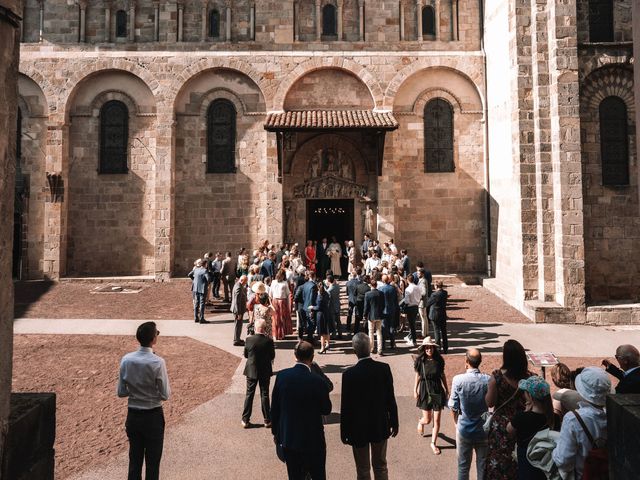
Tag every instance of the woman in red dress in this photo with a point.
(310, 256)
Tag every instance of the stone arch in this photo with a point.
(183, 78)
(45, 86)
(423, 66)
(79, 78)
(224, 93)
(615, 80)
(108, 95)
(317, 63)
(438, 92)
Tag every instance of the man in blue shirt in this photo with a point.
(467, 406)
(390, 306)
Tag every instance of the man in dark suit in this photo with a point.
(259, 352)
(323, 258)
(629, 372)
(361, 290)
(238, 308)
(366, 243)
(305, 296)
(268, 268)
(228, 275)
(199, 285)
(368, 412)
(390, 307)
(352, 283)
(373, 314)
(437, 308)
(300, 399)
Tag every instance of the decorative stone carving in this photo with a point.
(329, 186)
(329, 161)
(290, 221)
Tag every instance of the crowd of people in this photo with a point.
(508, 419)
(280, 284)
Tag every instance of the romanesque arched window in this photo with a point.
(214, 24)
(428, 21)
(438, 136)
(121, 24)
(114, 137)
(221, 137)
(329, 26)
(601, 20)
(614, 141)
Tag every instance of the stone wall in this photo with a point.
(9, 53)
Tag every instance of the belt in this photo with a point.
(145, 410)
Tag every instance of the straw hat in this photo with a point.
(427, 342)
(258, 287)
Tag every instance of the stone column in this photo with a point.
(318, 21)
(419, 20)
(340, 5)
(454, 20)
(296, 12)
(107, 21)
(164, 204)
(252, 22)
(41, 20)
(204, 19)
(82, 37)
(9, 60)
(180, 21)
(132, 21)
(401, 16)
(156, 21)
(227, 25)
(436, 20)
(361, 33)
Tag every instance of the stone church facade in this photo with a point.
(493, 140)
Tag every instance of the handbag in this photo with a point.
(487, 417)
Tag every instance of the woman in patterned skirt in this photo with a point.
(279, 294)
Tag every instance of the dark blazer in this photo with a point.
(299, 400)
(307, 296)
(268, 269)
(629, 383)
(361, 291)
(259, 351)
(390, 299)
(351, 289)
(200, 278)
(374, 305)
(437, 306)
(368, 410)
(406, 265)
(321, 252)
(427, 276)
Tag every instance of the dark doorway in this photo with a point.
(326, 218)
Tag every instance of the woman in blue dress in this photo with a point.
(323, 316)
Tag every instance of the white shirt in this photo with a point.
(371, 263)
(412, 295)
(573, 444)
(279, 290)
(143, 378)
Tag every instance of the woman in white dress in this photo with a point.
(335, 252)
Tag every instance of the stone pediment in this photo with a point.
(329, 186)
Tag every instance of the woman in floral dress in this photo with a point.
(264, 310)
(503, 394)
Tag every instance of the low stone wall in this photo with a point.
(29, 453)
(628, 314)
(623, 425)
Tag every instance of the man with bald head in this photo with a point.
(628, 358)
(467, 406)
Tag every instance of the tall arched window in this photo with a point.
(438, 136)
(428, 21)
(614, 141)
(329, 18)
(121, 24)
(601, 20)
(114, 137)
(214, 24)
(221, 137)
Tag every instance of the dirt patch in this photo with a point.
(172, 301)
(83, 369)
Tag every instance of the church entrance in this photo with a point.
(328, 218)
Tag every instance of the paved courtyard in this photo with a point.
(208, 443)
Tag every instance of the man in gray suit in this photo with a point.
(239, 307)
(228, 275)
(199, 285)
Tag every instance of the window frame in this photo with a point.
(123, 167)
(212, 165)
(433, 29)
(334, 24)
(602, 31)
(121, 29)
(614, 131)
(214, 13)
(429, 151)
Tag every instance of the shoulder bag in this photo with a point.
(487, 417)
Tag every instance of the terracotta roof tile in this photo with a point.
(330, 120)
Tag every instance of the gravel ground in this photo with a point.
(172, 301)
(83, 369)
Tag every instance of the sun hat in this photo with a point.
(258, 287)
(535, 386)
(427, 342)
(593, 385)
(301, 269)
